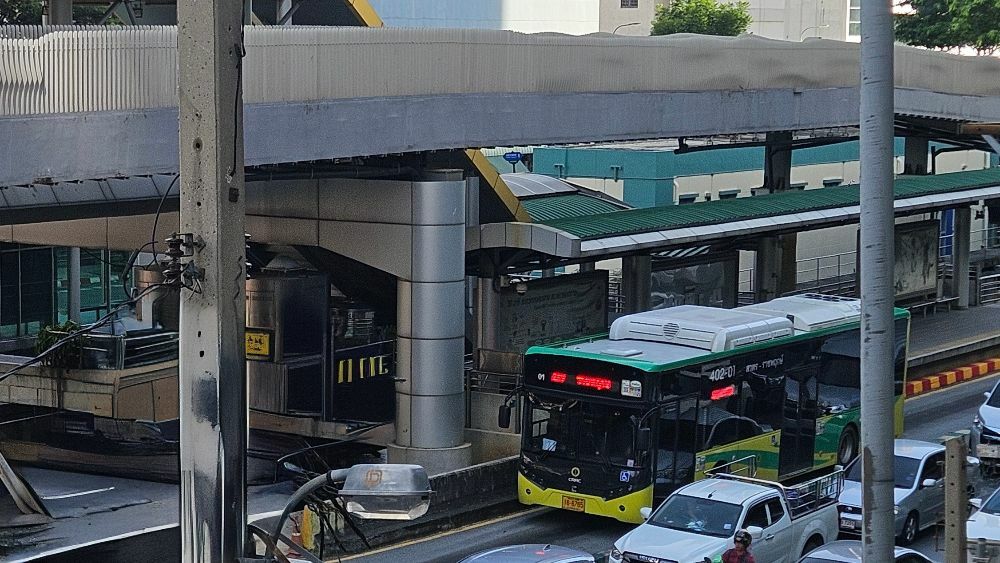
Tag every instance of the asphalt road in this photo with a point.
(927, 418)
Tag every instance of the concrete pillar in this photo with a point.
(916, 152)
(767, 264)
(777, 179)
(637, 273)
(588, 267)
(960, 255)
(212, 370)
(731, 282)
(487, 311)
(58, 12)
(73, 292)
(430, 344)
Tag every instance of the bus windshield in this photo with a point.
(584, 430)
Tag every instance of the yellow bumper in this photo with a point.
(624, 508)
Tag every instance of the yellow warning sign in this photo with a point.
(258, 344)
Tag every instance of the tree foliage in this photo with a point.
(707, 17)
(21, 12)
(950, 24)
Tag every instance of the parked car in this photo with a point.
(698, 521)
(984, 524)
(984, 440)
(849, 551)
(530, 553)
(919, 490)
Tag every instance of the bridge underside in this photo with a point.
(109, 144)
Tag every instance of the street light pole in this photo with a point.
(625, 25)
(877, 294)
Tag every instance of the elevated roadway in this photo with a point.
(95, 104)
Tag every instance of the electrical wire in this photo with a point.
(77, 333)
(126, 273)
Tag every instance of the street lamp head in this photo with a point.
(386, 491)
(624, 25)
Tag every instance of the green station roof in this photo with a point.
(551, 208)
(632, 221)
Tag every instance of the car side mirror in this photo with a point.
(503, 417)
(986, 395)
(643, 437)
(976, 503)
(645, 512)
(756, 532)
(928, 483)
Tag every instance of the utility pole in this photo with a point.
(877, 261)
(213, 409)
(956, 500)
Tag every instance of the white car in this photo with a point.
(849, 551)
(698, 521)
(985, 524)
(985, 437)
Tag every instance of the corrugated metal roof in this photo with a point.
(543, 209)
(723, 211)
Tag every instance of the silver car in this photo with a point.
(530, 553)
(918, 494)
(985, 436)
(849, 551)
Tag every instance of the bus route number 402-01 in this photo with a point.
(719, 374)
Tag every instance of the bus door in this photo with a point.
(675, 443)
(798, 428)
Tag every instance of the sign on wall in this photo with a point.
(259, 344)
(362, 385)
(552, 309)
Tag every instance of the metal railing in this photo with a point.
(108, 351)
(989, 289)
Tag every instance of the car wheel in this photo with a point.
(910, 528)
(812, 544)
(847, 450)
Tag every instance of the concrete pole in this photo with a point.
(960, 255)
(213, 408)
(767, 268)
(58, 12)
(284, 6)
(877, 260)
(777, 179)
(915, 156)
(637, 273)
(956, 501)
(73, 293)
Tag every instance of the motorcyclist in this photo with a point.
(740, 552)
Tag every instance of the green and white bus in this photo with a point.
(611, 422)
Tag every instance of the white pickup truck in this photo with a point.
(697, 522)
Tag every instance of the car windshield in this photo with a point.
(994, 400)
(585, 431)
(905, 469)
(992, 505)
(699, 515)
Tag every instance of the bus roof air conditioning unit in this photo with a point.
(812, 311)
(705, 328)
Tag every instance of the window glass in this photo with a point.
(854, 18)
(933, 467)
(630, 3)
(756, 516)
(777, 511)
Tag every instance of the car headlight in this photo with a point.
(895, 509)
(615, 554)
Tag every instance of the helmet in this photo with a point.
(743, 537)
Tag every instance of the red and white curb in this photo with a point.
(930, 383)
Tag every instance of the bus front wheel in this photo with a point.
(848, 448)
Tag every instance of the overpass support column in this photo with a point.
(960, 255)
(58, 12)
(430, 393)
(637, 272)
(915, 155)
(767, 265)
(73, 290)
(777, 179)
(588, 267)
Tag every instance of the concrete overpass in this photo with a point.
(94, 104)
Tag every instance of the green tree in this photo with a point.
(21, 12)
(950, 24)
(707, 17)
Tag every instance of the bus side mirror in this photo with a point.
(503, 419)
(643, 439)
